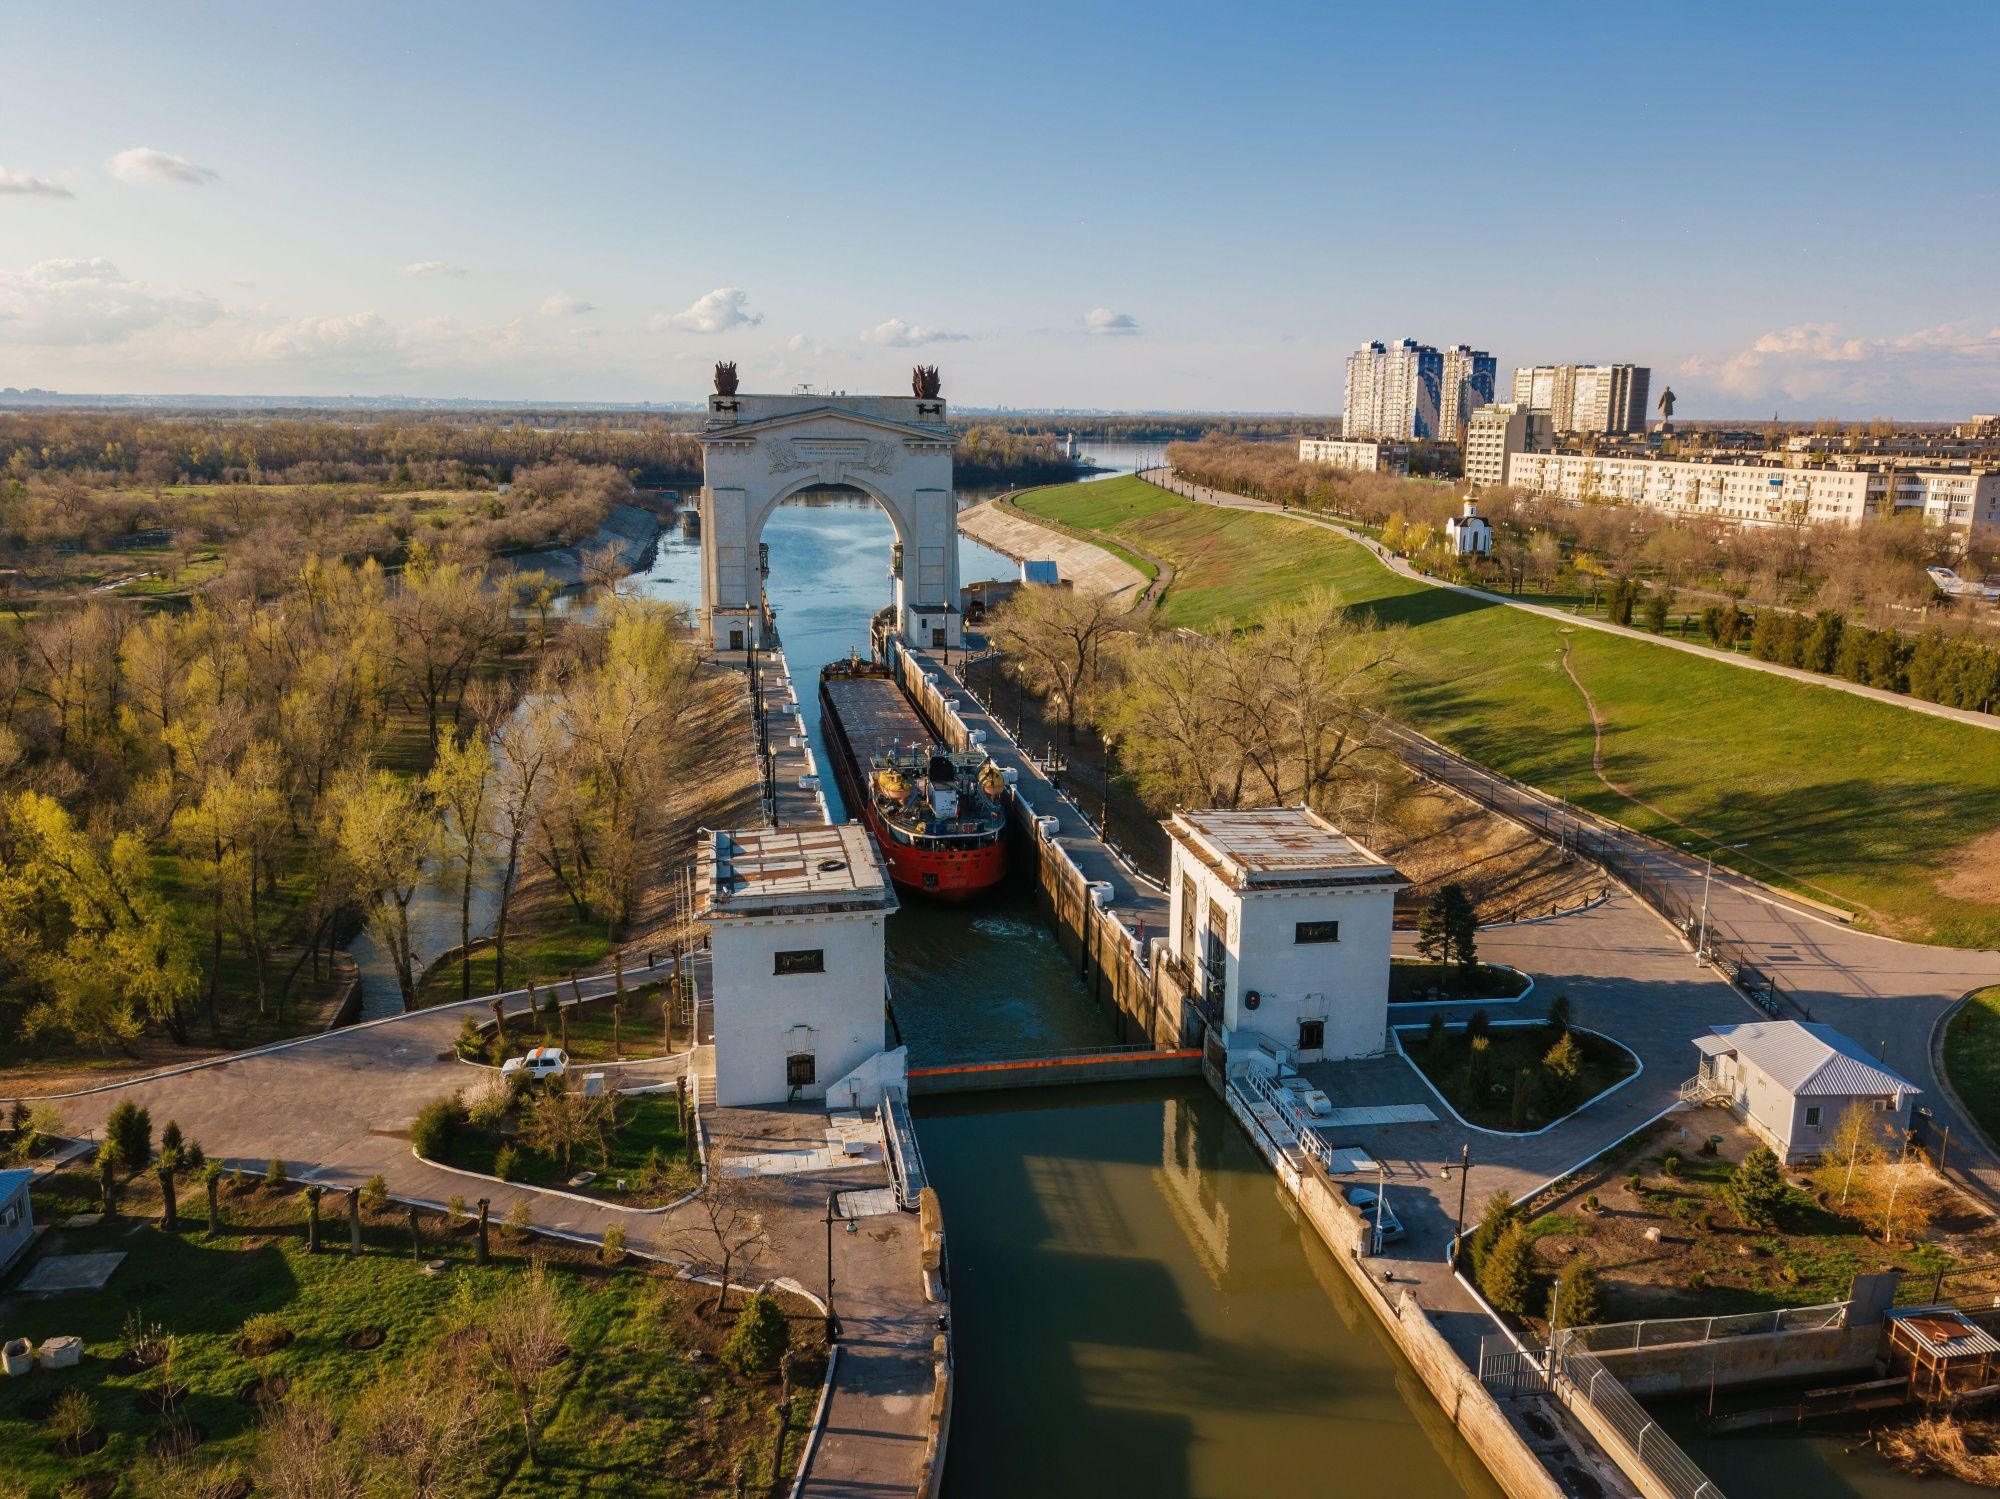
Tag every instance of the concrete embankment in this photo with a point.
(1056, 1071)
(629, 530)
(1728, 1363)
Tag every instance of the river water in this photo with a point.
(1137, 1310)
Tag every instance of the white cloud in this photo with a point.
(21, 184)
(1892, 375)
(144, 164)
(798, 343)
(74, 302)
(722, 309)
(356, 334)
(433, 268)
(562, 304)
(1102, 320)
(897, 334)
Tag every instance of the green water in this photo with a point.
(1138, 1312)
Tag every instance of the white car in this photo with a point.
(540, 1064)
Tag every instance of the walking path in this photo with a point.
(337, 1109)
(1223, 499)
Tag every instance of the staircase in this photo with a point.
(701, 1067)
(1700, 1090)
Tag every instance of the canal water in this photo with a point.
(1137, 1309)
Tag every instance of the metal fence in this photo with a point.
(1619, 852)
(1581, 1377)
(1508, 1371)
(1658, 1332)
(1964, 1286)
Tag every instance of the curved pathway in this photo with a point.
(1224, 500)
(337, 1109)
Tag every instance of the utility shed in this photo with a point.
(1945, 1350)
(795, 928)
(1283, 922)
(1791, 1083)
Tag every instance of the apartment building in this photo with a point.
(1363, 455)
(1393, 391)
(1764, 491)
(1605, 398)
(1467, 384)
(1498, 431)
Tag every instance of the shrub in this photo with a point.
(614, 1245)
(1710, 1145)
(18, 1117)
(1670, 1163)
(490, 1107)
(1508, 1277)
(194, 1158)
(436, 1123)
(276, 1177)
(1501, 1214)
(1478, 1067)
(1562, 1074)
(129, 1130)
(506, 1163)
(1479, 1026)
(454, 1208)
(170, 1140)
(759, 1339)
(72, 1418)
(1518, 1117)
(1434, 1035)
(1756, 1189)
(238, 1180)
(1635, 1182)
(1576, 1297)
(375, 1194)
(265, 1331)
(1559, 1015)
(471, 1043)
(1591, 1204)
(520, 1218)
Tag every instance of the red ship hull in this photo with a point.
(945, 874)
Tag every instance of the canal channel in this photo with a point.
(1137, 1309)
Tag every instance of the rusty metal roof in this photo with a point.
(1268, 846)
(824, 867)
(1944, 1332)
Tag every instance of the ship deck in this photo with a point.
(875, 715)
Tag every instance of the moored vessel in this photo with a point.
(936, 813)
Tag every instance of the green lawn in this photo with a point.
(545, 956)
(640, 1033)
(1416, 979)
(1513, 1048)
(629, 1411)
(1867, 804)
(647, 1123)
(1972, 1058)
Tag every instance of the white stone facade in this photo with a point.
(1361, 455)
(758, 450)
(795, 920)
(1284, 923)
(1393, 391)
(1763, 493)
(1495, 434)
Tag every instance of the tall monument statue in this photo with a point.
(1667, 407)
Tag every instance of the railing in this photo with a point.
(1578, 1375)
(905, 1159)
(1659, 1332)
(1700, 1090)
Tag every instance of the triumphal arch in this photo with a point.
(758, 451)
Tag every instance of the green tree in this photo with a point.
(1576, 1299)
(1562, 1074)
(385, 836)
(1434, 1036)
(1658, 602)
(1478, 1068)
(1507, 1278)
(759, 1338)
(460, 784)
(1756, 1190)
(128, 1129)
(1518, 1116)
(1501, 1214)
(1560, 1011)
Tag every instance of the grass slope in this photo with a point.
(1865, 803)
(1972, 1058)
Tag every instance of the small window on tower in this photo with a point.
(802, 960)
(1312, 1035)
(801, 1069)
(1316, 931)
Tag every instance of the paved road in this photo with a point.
(1225, 500)
(337, 1109)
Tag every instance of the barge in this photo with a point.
(935, 812)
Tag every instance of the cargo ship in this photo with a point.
(935, 813)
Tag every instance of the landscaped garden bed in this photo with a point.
(206, 1358)
(1670, 1226)
(605, 1029)
(634, 1148)
(1516, 1077)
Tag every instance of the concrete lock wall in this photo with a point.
(1760, 1358)
(1046, 1072)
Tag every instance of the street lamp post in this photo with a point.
(1464, 1171)
(832, 1322)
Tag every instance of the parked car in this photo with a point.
(540, 1064)
(1364, 1200)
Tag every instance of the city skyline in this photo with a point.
(1076, 213)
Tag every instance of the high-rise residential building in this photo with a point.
(1495, 433)
(1467, 385)
(1393, 391)
(1587, 397)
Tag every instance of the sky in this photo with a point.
(1788, 209)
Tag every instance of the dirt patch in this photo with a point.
(269, 1343)
(90, 1441)
(1974, 871)
(177, 1440)
(268, 1390)
(362, 1339)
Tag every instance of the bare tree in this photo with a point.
(301, 1456)
(1056, 638)
(722, 1224)
(423, 1429)
(522, 1335)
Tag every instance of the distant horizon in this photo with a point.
(1085, 209)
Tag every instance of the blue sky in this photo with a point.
(1779, 208)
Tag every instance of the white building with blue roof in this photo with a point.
(1792, 1082)
(17, 1216)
